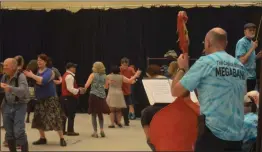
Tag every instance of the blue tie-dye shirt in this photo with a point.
(242, 47)
(220, 81)
(250, 127)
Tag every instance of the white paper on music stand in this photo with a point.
(158, 91)
(193, 96)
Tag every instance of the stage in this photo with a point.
(129, 138)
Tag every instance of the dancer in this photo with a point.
(20, 62)
(48, 114)
(131, 114)
(14, 105)
(31, 66)
(20, 66)
(221, 94)
(57, 79)
(97, 103)
(69, 98)
(115, 98)
(245, 52)
(127, 72)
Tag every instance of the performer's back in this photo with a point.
(220, 82)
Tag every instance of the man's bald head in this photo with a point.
(216, 39)
(10, 66)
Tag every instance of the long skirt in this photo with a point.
(48, 115)
(97, 105)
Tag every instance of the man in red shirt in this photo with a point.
(127, 72)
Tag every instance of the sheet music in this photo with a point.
(158, 91)
(193, 96)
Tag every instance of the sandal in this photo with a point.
(95, 135)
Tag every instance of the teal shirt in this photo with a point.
(220, 82)
(250, 127)
(242, 47)
(98, 85)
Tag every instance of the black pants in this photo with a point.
(251, 84)
(125, 111)
(208, 142)
(69, 106)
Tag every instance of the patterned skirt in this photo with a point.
(48, 115)
(97, 105)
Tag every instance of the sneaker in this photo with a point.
(129, 115)
(133, 116)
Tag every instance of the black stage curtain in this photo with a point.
(108, 35)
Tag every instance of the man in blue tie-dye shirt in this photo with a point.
(220, 82)
(245, 52)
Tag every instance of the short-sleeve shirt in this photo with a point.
(128, 72)
(220, 82)
(250, 127)
(242, 47)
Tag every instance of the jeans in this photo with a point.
(14, 122)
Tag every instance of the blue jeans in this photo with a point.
(14, 122)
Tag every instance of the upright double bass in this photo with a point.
(174, 128)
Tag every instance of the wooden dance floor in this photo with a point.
(129, 138)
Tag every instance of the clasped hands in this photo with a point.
(82, 90)
(6, 87)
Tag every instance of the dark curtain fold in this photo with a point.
(108, 35)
